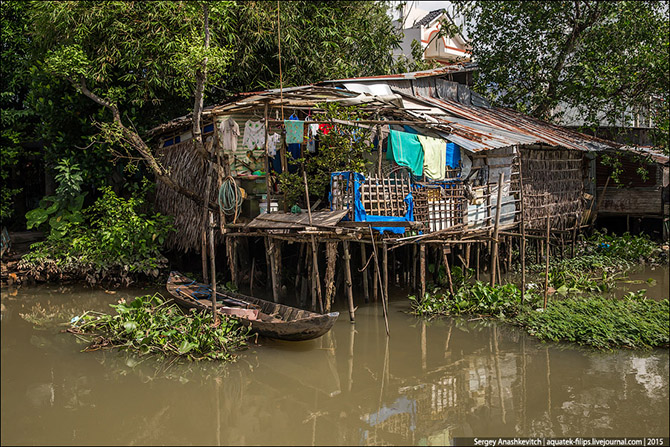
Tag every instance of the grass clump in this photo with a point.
(632, 322)
(152, 325)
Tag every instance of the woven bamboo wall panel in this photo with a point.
(554, 183)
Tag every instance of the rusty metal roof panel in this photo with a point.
(498, 126)
(447, 69)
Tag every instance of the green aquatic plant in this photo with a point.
(152, 325)
(632, 322)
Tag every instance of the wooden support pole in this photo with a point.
(477, 248)
(212, 262)
(574, 238)
(329, 280)
(379, 280)
(251, 276)
(385, 292)
(494, 254)
(231, 253)
(522, 248)
(422, 270)
(375, 283)
(546, 268)
(349, 283)
(203, 253)
(272, 247)
(316, 280)
(414, 261)
(268, 187)
(467, 257)
(448, 269)
(205, 214)
(364, 259)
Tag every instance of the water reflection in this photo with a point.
(427, 383)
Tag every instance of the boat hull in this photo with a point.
(273, 320)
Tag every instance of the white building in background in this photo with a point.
(424, 27)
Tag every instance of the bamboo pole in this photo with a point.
(522, 248)
(366, 292)
(273, 268)
(203, 253)
(386, 272)
(422, 269)
(315, 271)
(379, 279)
(251, 279)
(212, 261)
(329, 280)
(494, 255)
(349, 283)
(205, 213)
(448, 269)
(546, 268)
(267, 162)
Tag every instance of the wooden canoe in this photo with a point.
(272, 320)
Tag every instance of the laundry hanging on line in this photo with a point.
(406, 150)
(435, 155)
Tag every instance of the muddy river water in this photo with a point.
(429, 382)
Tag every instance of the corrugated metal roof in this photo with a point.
(494, 127)
(441, 71)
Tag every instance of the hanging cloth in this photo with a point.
(325, 128)
(295, 130)
(312, 131)
(453, 155)
(230, 130)
(273, 142)
(254, 134)
(434, 157)
(406, 150)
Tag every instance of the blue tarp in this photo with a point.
(453, 155)
(360, 215)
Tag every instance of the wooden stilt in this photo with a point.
(546, 268)
(349, 283)
(522, 248)
(329, 280)
(212, 262)
(448, 269)
(316, 281)
(273, 268)
(298, 274)
(375, 283)
(379, 280)
(414, 261)
(268, 264)
(386, 272)
(251, 276)
(232, 261)
(466, 266)
(494, 254)
(477, 248)
(574, 238)
(364, 259)
(203, 252)
(422, 270)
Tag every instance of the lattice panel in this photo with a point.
(439, 206)
(385, 196)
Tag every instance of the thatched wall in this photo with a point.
(187, 169)
(553, 181)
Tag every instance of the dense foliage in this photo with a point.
(152, 325)
(113, 242)
(599, 59)
(342, 149)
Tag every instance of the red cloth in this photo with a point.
(325, 128)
